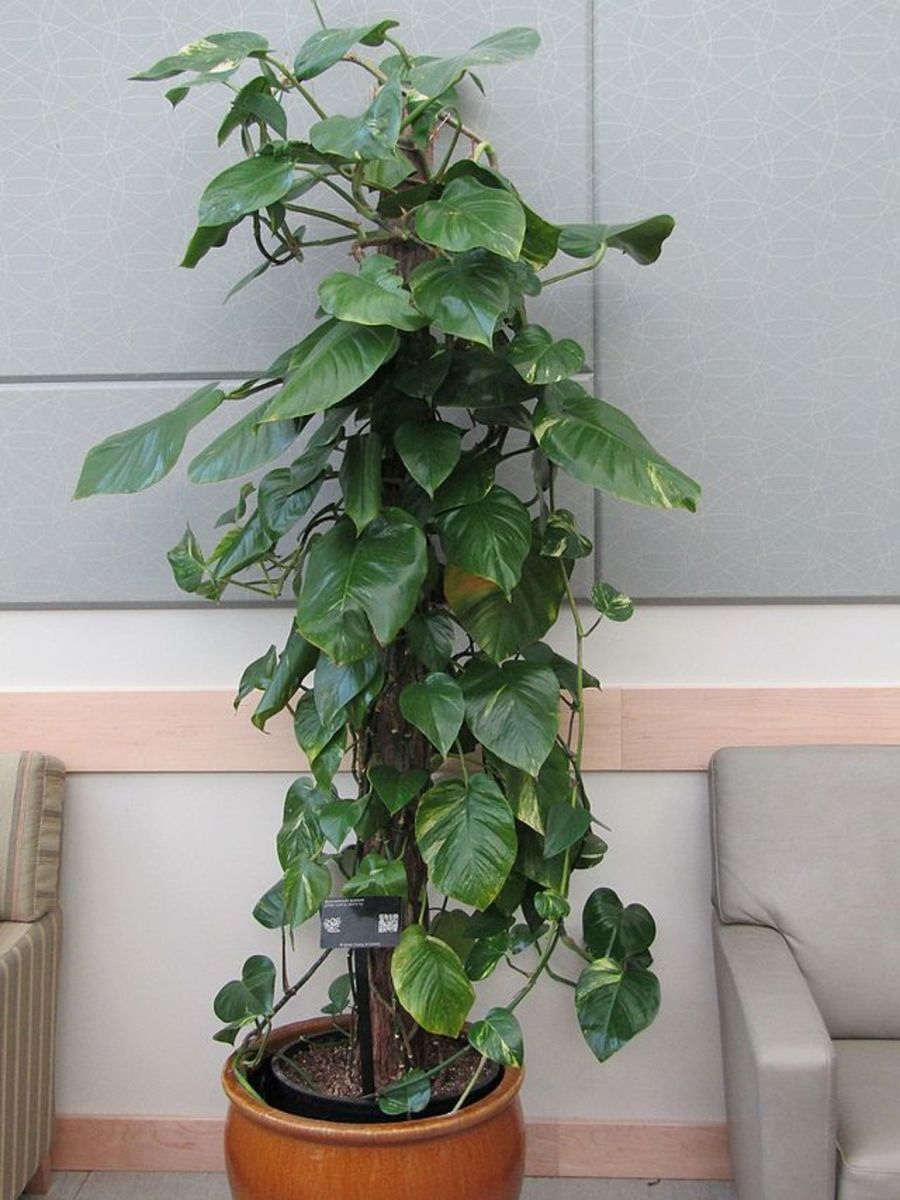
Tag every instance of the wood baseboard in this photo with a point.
(555, 1149)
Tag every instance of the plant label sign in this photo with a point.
(360, 924)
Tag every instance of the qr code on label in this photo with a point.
(388, 922)
(332, 924)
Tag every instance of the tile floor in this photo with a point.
(114, 1186)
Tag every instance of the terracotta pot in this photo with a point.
(475, 1154)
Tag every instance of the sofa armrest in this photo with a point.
(779, 1069)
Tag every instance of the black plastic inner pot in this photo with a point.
(285, 1090)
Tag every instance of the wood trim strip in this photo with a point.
(630, 729)
(555, 1149)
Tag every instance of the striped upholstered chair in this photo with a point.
(31, 790)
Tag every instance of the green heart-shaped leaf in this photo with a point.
(565, 827)
(430, 982)
(513, 710)
(250, 996)
(431, 638)
(338, 817)
(539, 359)
(360, 477)
(469, 215)
(353, 586)
(376, 296)
(411, 1093)
(467, 835)
(598, 444)
(490, 537)
(499, 1038)
(614, 931)
(306, 885)
(562, 538)
(429, 451)
(611, 603)
(294, 663)
(435, 706)
(613, 1005)
(335, 686)
(396, 788)
(335, 360)
(466, 294)
(502, 626)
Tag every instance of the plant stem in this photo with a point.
(590, 266)
(318, 11)
(298, 87)
(467, 1089)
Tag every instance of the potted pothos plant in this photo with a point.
(423, 574)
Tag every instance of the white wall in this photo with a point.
(161, 871)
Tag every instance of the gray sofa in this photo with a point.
(31, 790)
(806, 858)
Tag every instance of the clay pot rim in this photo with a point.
(348, 1133)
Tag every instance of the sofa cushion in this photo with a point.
(868, 1114)
(807, 841)
(31, 788)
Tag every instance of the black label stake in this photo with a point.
(364, 1020)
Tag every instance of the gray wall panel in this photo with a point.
(101, 177)
(761, 353)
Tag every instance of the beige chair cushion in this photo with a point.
(868, 1114)
(807, 841)
(31, 789)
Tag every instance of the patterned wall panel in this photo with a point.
(762, 352)
(101, 177)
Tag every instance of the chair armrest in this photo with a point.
(779, 1069)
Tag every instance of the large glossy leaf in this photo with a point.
(248, 444)
(281, 502)
(327, 366)
(469, 215)
(499, 1037)
(533, 798)
(598, 444)
(378, 876)
(254, 102)
(353, 586)
(338, 817)
(465, 295)
(312, 734)
(436, 77)
(294, 663)
(215, 52)
(640, 240)
(613, 1005)
(471, 480)
(467, 835)
(539, 359)
(435, 706)
(360, 477)
(244, 188)
(541, 239)
(135, 459)
(478, 379)
(306, 884)
(613, 930)
(376, 296)
(240, 548)
(328, 46)
(336, 686)
(300, 835)
(373, 135)
(490, 538)
(513, 710)
(502, 626)
(430, 982)
(250, 996)
(429, 451)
